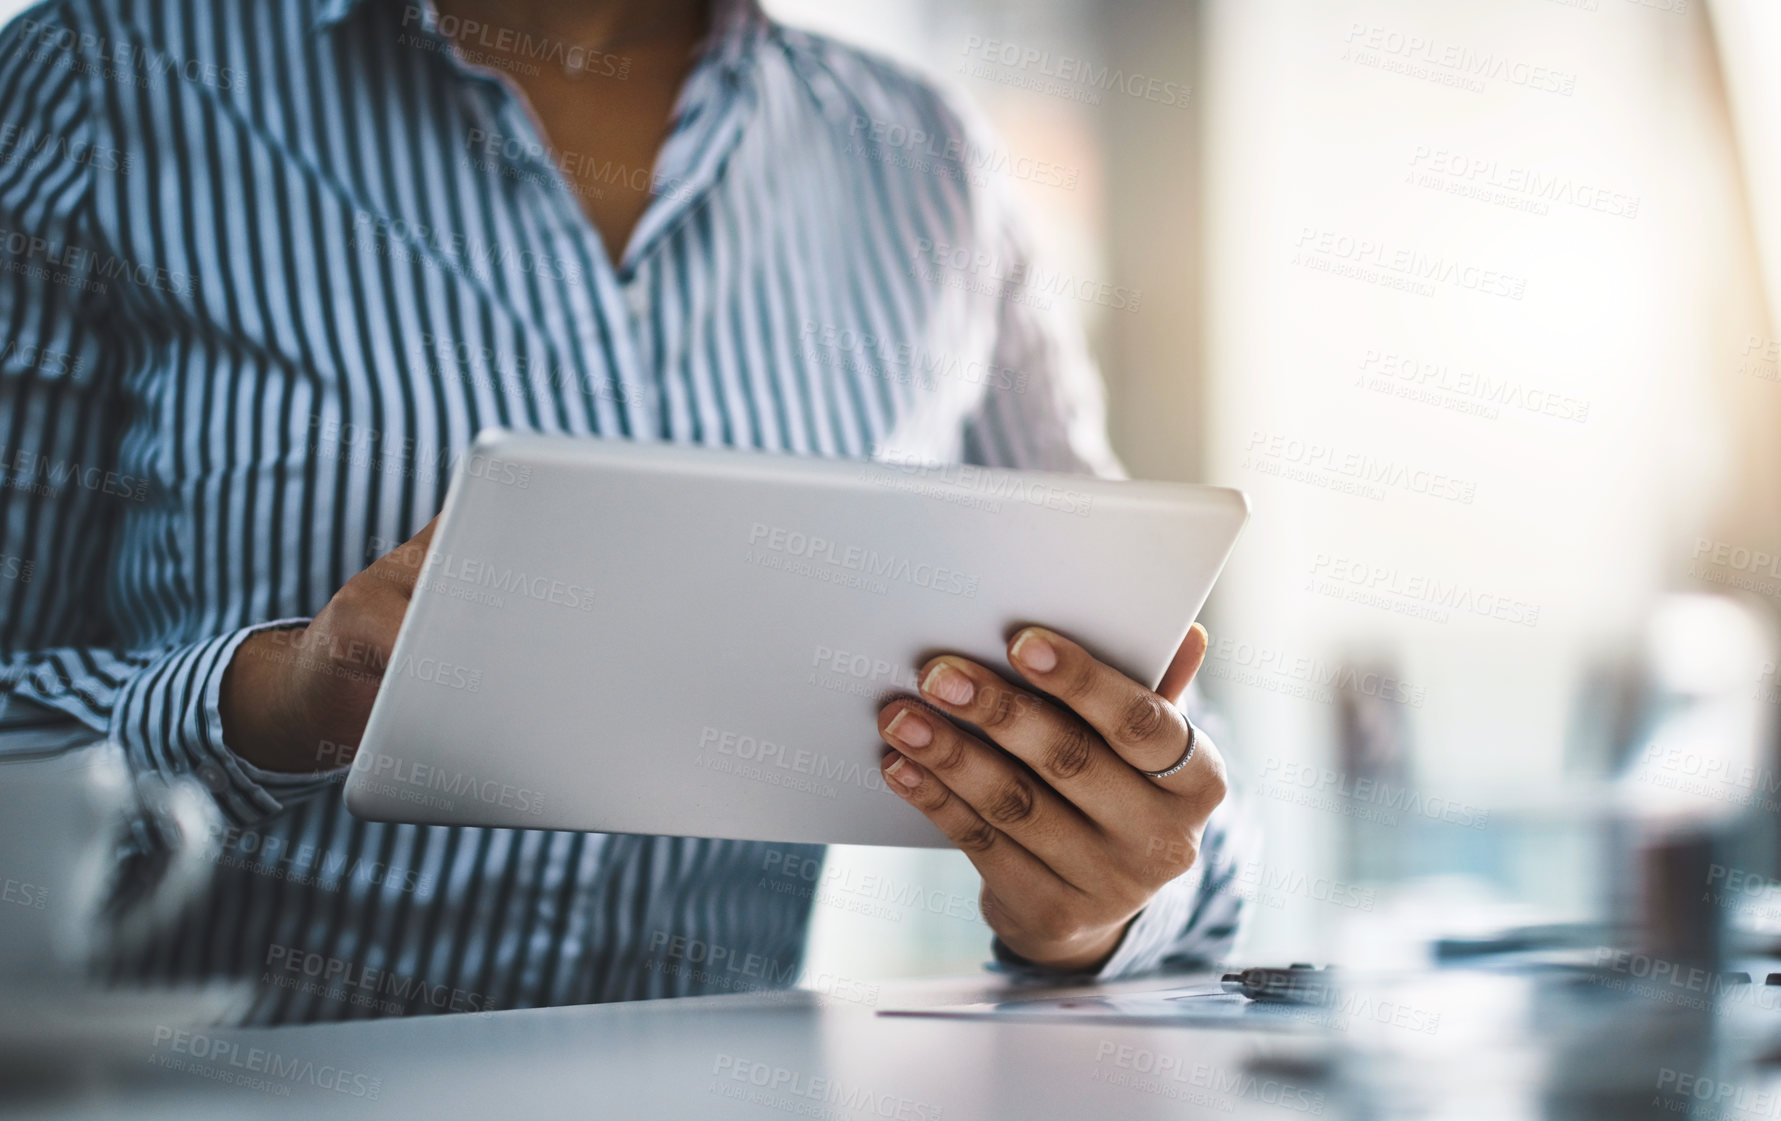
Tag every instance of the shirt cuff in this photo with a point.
(168, 719)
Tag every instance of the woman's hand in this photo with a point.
(297, 700)
(1071, 837)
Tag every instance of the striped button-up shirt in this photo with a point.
(268, 267)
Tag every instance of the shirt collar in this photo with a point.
(738, 27)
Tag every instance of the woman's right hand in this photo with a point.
(296, 700)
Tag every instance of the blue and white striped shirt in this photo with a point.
(267, 269)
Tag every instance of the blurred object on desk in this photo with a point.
(1698, 779)
(1701, 755)
(1666, 804)
(1372, 744)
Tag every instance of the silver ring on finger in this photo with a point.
(1193, 741)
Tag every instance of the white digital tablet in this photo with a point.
(642, 638)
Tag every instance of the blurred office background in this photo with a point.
(1476, 302)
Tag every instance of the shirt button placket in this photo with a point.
(641, 383)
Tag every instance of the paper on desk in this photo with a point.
(1200, 1005)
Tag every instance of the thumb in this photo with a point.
(1187, 662)
(402, 565)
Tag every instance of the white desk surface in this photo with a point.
(669, 1059)
(1474, 1047)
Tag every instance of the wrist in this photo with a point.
(1087, 954)
(258, 723)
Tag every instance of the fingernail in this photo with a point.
(912, 730)
(1032, 651)
(949, 685)
(906, 773)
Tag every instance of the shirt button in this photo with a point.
(637, 299)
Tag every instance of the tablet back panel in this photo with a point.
(643, 638)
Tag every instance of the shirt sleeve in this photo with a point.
(66, 501)
(1048, 413)
(1046, 409)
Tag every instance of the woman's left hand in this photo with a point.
(1073, 844)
